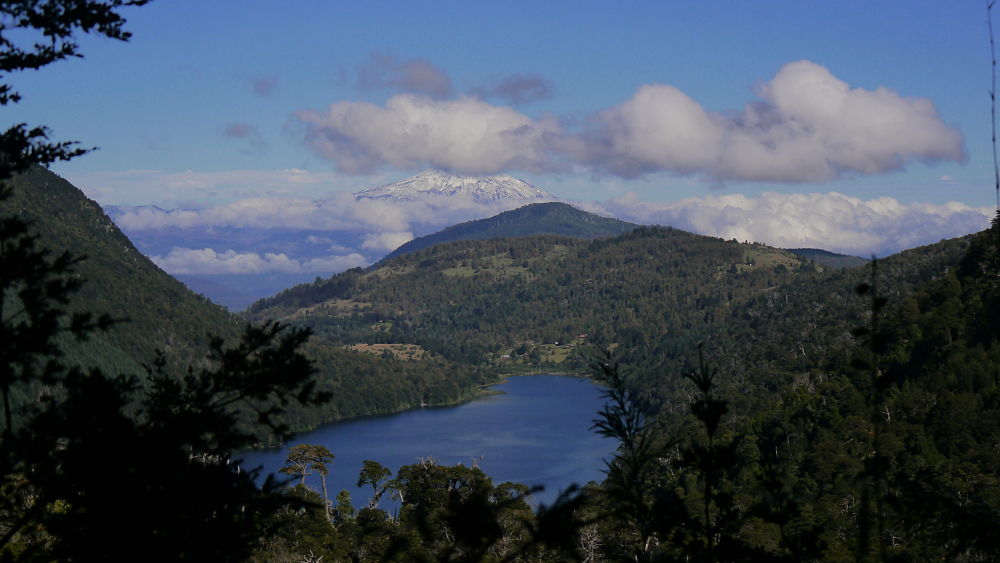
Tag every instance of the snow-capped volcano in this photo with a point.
(482, 189)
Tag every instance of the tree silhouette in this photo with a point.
(112, 467)
(303, 459)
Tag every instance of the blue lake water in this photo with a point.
(537, 433)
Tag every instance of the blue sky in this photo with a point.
(211, 101)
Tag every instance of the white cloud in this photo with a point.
(659, 128)
(806, 126)
(831, 221)
(464, 135)
(386, 241)
(339, 213)
(208, 261)
(175, 189)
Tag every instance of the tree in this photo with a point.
(375, 474)
(107, 467)
(630, 484)
(53, 25)
(34, 285)
(172, 487)
(305, 458)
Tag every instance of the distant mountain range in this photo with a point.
(451, 198)
(551, 218)
(481, 189)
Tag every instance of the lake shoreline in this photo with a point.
(478, 392)
(536, 430)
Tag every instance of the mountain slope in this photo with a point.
(476, 300)
(551, 218)
(767, 317)
(162, 313)
(482, 189)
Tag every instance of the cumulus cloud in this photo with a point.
(386, 241)
(518, 89)
(415, 75)
(806, 125)
(464, 135)
(830, 221)
(206, 261)
(659, 128)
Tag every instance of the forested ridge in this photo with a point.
(651, 295)
(553, 218)
(881, 447)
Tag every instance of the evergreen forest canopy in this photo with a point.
(551, 218)
(767, 408)
(849, 415)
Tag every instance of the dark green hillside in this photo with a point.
(812, 440)
(536, 219)
(769, 317)
(163, 314)
(537, 300)
(798, 333)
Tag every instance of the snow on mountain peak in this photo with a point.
(482, 189)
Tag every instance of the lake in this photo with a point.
(536, 432)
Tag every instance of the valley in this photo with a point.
(642, 310)
(498, 283)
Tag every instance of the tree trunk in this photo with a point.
(326, 500)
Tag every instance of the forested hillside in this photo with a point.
(857, 420)
(158, 313)
(535, 219)
(650, 295)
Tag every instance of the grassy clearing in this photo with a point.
(399, 351)
(333, 308)
(499, 265)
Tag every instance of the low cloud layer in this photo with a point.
(198, 189)
(339, 213)
(206, 261)
(356, 231)
(806, 125)
(386, 242)
(831, 221)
